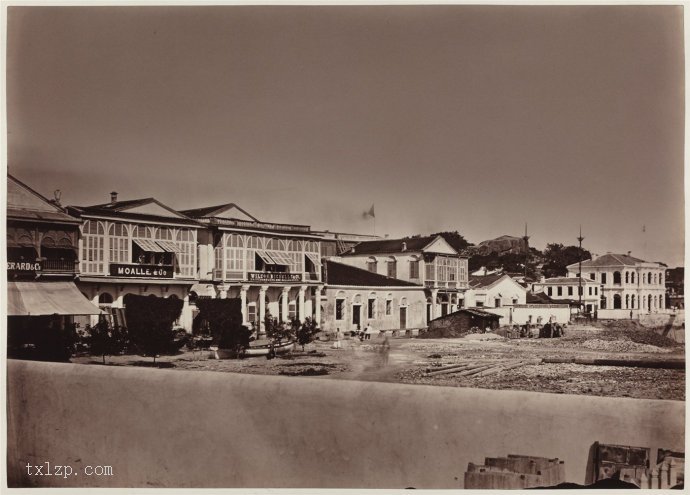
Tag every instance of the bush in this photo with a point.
(149, 322)
(105, 339)
(278, 331)
(222, 318)
(305, 332)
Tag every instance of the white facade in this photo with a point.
(571, 289)
(628, 286)
(499, 292)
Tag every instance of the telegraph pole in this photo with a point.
(579, 255)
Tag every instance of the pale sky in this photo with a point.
(468, 118)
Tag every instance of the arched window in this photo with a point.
(93, 252)
(617, 300)
(632, 277)
(371, 306)
(627, 300)
(105, 298)
(617, 278)
(627, 277)
(649, 302)
(602, 302)
(655, 279)
(391, 267)
(234, 257)
(649, 278)
(253, 244)
(340, 306)
(371, 264)
(661, 301)
(632, 302)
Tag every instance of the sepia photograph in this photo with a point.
(344, 246)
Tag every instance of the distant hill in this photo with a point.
(506, 244)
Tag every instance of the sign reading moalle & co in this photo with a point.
(150, 271)
(274, 277)
(24, 267)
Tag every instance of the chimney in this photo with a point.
(629, 253)
(404, 246)
(58, 194)
(113, 197)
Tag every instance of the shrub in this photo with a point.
(278, 331)
(222, 318)
(105, 339)
(305, 332)
(149, 322)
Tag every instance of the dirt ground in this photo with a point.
(409, 359)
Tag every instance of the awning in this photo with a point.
(314, 258)
(204, 290)
(266, 258)
(168, 246)
(281, 258)
(47, 298)
(148, 246)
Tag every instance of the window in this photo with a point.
(371, 264)
(579, 291)
(186, 256)
(559, 290)
(292, 310)
(549, 291)
(632, 277)
(596, 291)
(93, 252)
(590, 291)
(617, 278)
(627, 301)
(616, 301)
(479, 304)
(371, 307)
(649, 278)
(570, 290)
(602, 302)
(234, 257)
(592, 276)
(632, 301)
(119, 243)
(497, 302)
(251, 313)
(339, 309)
(392, 268)
(603, 278)
(389, 307)
(414, 269)
(627, 276)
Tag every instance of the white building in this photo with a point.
(571, 290)
(628, 285)
(428, 261)
(494, 291)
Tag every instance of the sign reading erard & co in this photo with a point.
(149, 271)
(24, 267)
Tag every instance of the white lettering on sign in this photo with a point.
(24, 266)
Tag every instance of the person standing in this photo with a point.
(336, 344)
(368, 331)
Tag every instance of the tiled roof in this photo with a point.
(119, 205)
(481, 281)
(341, 274)
(610, 260)
(479, 312)
(414, 244)
(51, 212)
(539, 298)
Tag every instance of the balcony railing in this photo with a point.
(59, 266)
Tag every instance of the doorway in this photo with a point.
(403, 318)
(356, 315)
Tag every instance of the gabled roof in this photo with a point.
(609, 260)
(479, 312)
(389, 246)
(340, 274)
(124, 209)
(214, 211)
(539, 298)
(24, 203)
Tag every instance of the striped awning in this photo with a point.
(314, 258)
(280, 258)
(266, 258)
(149, 246)
(168, 246)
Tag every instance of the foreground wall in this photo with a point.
(167, 428)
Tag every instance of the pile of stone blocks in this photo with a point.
(515, 471)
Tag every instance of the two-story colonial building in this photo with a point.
(42, 259)
(428, 261)
(142, 247)
(273, 268)
(628, 285)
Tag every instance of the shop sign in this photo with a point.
(148, 271)
(24, 267)
(274, 277)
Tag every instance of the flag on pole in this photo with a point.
(370, 213)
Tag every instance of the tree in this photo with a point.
(455, 239)
(149, 322)
(105, 339)
(223, 319)
(278, 331)
(305, 332)
(557, 257)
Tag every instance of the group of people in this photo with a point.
(359, 333)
